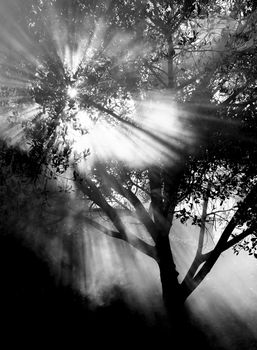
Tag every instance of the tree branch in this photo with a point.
(133, 199)
(135, 241)
(199, 257)
(220, 211)
(162, 141)
(223, 242)
(157, 76)
(140, 187)
(238, 238)
(89, 188)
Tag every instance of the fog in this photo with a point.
(104, 270)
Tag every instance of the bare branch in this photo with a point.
(223, 242)
(221, 211)
(135, 241)
(153, 135)
(199, 257)
(203, 220)
(134, 200)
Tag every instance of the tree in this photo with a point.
(115, 68)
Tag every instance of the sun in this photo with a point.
(72, 92)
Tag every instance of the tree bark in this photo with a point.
(172, 298)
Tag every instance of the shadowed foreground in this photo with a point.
(35, 311)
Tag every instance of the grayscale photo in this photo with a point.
(128, 174)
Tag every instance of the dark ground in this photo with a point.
(36, 312)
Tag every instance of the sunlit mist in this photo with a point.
(100, 123)
(160, 134)
(141, 130)
(227, 318)
(114, 261)
(72, 92)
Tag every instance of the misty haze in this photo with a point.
(128, 182)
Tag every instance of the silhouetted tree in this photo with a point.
(125, 61)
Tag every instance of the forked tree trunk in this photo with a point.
(172, 297)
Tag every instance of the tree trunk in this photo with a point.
(172, 297)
